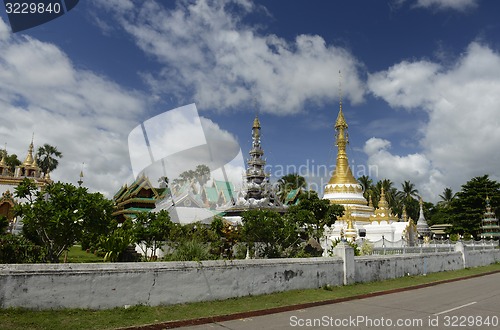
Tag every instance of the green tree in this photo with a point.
(151, 230)
(313, 214)
(11, 160)
(58, 216)
(288, 183)
(469, 205)
(268, 231)
(408, 197)
(367, 185)
(447, 197)
(119, 238)
(47, 158)
(98, 218)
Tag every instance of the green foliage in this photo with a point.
(16, 249)
(4, 224)
(11, 160)
(190, 250)
(59, 215)
(313, 214)
(288, 183)
(150, 230)
(468, 206)
(357, 251)
(117, 240)
(273, 232)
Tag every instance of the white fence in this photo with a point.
(383, 247)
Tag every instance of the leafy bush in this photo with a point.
(16, 249)
(190, 250)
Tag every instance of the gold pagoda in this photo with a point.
(343, 188)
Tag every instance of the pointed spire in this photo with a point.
(256, 122)
(404, 216)
(383, 202)
(28, 161)
(342, 173)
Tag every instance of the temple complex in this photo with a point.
(10, 179)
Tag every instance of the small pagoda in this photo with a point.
(489, 224)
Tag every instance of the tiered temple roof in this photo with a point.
(490, 227)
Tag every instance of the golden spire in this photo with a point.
(29, 158)
(256, 122)
(3, 162)
(404, 216)
(382, 204)
(342, 173)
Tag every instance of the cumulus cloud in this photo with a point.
(208, 51)
(84, 115)
(460, 139)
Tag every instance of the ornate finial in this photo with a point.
(256, 122)
(340, 89)
(80, 182)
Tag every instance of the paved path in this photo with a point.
(466, 304)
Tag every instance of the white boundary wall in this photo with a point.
(108, 285)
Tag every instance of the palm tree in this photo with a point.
(409, 190)
(288, 183)
(408, 195)
(367, 185)
(47, 158)
(447, 197)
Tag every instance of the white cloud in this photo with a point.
(207, 51)
(84, 115)
(458, 5)
(460, 139)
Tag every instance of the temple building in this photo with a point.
(10, 179)
(489, 225)
(360, 218)
(133, 199)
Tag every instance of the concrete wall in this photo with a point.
(99, 286)
(378, 268)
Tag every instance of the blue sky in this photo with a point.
(420, 83)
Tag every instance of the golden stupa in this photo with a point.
(343, 188)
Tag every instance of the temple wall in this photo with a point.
(100, 286)
(108, 285)
(379, 268)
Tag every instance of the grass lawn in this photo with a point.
(76, 254)
(120, 317)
